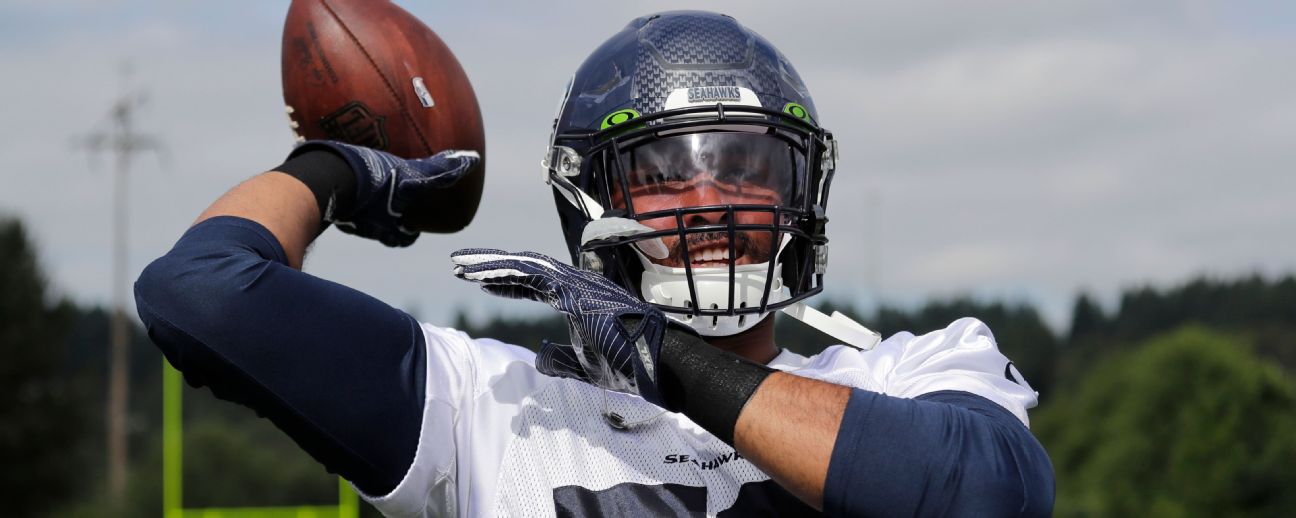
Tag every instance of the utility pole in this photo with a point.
(120, 139)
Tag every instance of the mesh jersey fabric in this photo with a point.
(500, 439)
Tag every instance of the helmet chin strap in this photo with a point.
(838, 326)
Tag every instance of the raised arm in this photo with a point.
(230, 309)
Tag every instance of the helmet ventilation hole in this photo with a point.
(742, 319)
(715, 320)
(688, 304)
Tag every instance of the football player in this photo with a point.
(691, 175)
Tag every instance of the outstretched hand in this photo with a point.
(616, 337)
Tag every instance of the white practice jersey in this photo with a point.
(501, 439)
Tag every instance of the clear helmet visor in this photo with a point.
(714, 168)
(731, 181)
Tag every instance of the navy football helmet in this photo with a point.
(688, 165)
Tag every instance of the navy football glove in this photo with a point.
(386, 185)
(616, 338)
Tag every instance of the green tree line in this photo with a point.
(1179, 401)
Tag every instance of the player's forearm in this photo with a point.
(782, 423)
(788, 429)
(281, 204)
(853, 452)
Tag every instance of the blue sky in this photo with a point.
(1008, 150)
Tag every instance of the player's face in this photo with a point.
(703, 170)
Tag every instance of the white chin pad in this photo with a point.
(604, 228)
(670, 287)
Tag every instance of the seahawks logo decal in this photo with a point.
(714, 94)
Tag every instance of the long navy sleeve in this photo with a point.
(340, 372)
(947, 453)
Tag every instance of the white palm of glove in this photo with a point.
(607, 350)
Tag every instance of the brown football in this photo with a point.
(367, 72)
